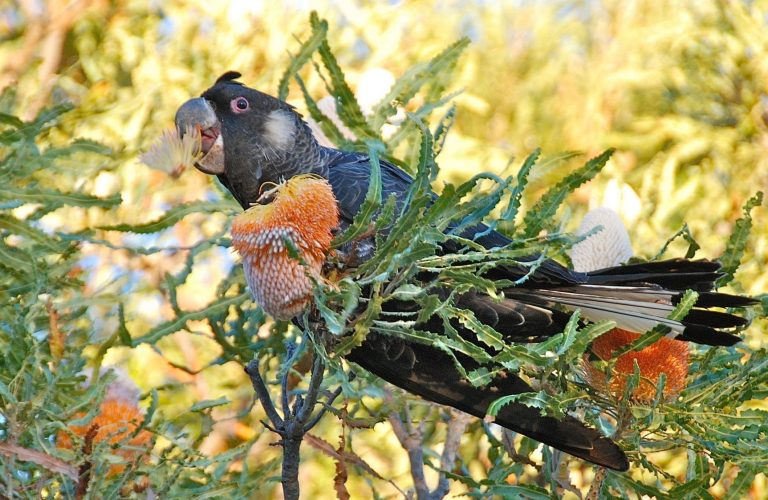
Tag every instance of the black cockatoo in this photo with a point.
(251, 138)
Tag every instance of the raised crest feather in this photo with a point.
(229, 76)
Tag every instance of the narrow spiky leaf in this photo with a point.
(309, 47)
(734, 249)
(541, 215)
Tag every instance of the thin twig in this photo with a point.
(456, 427)
(412, 440)
(252, 369)
(309, 400)
(327, 404)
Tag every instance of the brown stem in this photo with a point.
(84, 473)
(412, 440)
(295, 422)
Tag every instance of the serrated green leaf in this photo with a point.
(209, 403)
(361, 326)
(443, 127)
(26, 230)
(523, 492)
(319, 34)
(408, 85)
(348, 107)
(178, 323)
(509, 214)
(741, 484)
(687, 302)
(485, 334)
(407, 291)
(545, 209)
(48, 115)
(480, 376)
(734, 249)
(7, 395)
(327, 125)
(539, 400)
(76, 146)
(14, 258)
(57, 198)
(11, 120)
(625, 482)
(171, 217)
(685, 233)
(372, 202)
(563, 341)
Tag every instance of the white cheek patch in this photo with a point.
(280, 129)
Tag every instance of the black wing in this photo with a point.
(636, 296)
(430, 373)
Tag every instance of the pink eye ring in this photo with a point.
(239, 105)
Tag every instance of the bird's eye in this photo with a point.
(239, 104)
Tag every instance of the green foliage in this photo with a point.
(411, 245)
(541, 215)
(45, 325)
(171, 217)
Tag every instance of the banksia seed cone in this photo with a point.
(115, 423)
(303, 211)
(663, 356)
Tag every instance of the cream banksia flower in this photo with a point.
(303, 211)
(172, 154)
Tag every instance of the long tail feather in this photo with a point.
(640, 296)
(431, 374)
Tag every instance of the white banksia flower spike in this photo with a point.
(172, 154)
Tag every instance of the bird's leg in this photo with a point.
(350, 257)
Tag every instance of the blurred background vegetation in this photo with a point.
(680, 88)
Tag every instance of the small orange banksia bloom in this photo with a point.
(116, 422)
(303, 211)
(663, 356)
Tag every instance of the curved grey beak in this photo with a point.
(197, 116)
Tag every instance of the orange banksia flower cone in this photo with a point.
(115, 423)
(304, 212)
(663, 356)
